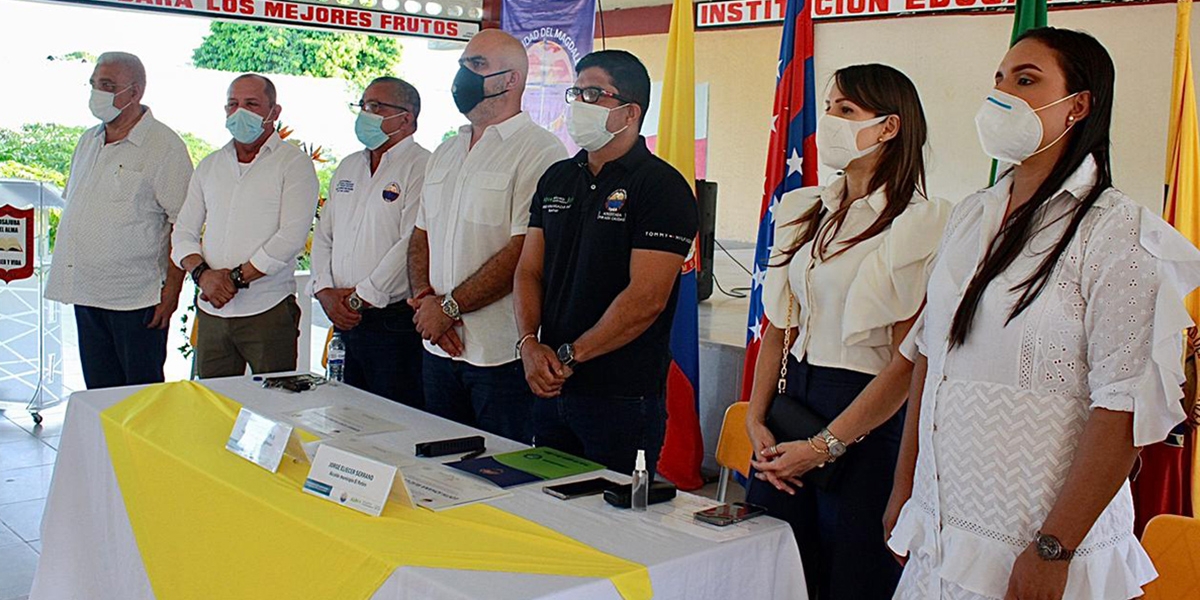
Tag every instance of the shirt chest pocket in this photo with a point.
(487, 199)
(132, 189)
(432, 195)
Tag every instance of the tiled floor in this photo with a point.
(27, 454)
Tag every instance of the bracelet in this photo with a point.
(521, 342)
(812, 443)
(428, 291)
(199, 270)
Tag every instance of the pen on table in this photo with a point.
(473, 454)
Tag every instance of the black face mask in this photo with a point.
(468, 89)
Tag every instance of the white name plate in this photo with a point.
(262, 440)
(355, 481)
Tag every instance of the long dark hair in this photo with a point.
(882, 90)
(1088, 68)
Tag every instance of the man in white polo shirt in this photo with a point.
(128, 179)
(470, 227)
(360, 246)
(246, 219)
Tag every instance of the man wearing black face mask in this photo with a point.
(469, 233)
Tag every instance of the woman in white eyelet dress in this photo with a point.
(1048, 353)
(1029, 423)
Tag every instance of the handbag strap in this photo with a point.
(787, 345)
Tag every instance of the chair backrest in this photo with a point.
(733, 447)
(1173, 543)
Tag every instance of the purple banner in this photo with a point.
(556, 34)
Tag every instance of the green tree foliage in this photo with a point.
(197, 147)
(245, 48)
(15, 170)
(44, 145)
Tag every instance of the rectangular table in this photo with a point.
(89, 550)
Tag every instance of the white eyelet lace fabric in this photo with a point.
(1001, 415)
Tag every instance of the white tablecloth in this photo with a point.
(89, 551)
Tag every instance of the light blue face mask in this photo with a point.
(244, 126)
(369, 129)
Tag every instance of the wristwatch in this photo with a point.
(566, 355)
(836, 447)
(198, 271)
(355, 302)
(1051, 549)
(450, 307)
(239, 281)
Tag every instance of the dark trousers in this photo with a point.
(494, 399)
(839, 529)
(384, 354)
(116, 348)
(266, 341)
(605, 429)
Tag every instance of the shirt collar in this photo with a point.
(831, 196)
(1077, 186)
(510, 126)
(394, 151)
(270, 145)
(137, 135)
(628, 161)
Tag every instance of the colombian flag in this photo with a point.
(683, 448)
(1164, 484)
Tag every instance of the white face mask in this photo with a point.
(588, 125)
(102, 107)
(1010, 130)
(837, 140)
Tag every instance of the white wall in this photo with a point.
(952, 60)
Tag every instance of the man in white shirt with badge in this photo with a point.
(470, 228)
(360, 246)
(129, 176)
(246, 219)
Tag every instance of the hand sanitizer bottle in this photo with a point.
(641, 484)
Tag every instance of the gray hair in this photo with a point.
(129, 62)
(402, 92)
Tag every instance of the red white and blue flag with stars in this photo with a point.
(791, 157)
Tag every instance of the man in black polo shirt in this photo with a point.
(598, 279)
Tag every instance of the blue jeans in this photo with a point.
(116, 348)
(384, 354)
(494, 399)
(605, 429)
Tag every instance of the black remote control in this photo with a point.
(454, 446)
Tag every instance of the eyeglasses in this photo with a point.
(372, 106)
(591, 95)
(107, 86)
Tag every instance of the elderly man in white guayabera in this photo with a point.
(129, 177)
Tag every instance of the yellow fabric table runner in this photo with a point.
(210, 524)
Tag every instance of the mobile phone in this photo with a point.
(579, 489)
(622, 496)
(728, 514)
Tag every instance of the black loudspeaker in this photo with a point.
(706, 198)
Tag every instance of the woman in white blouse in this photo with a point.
(1048, 354)
(846, 280)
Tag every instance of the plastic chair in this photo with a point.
(733, 447)
(1173, 543)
